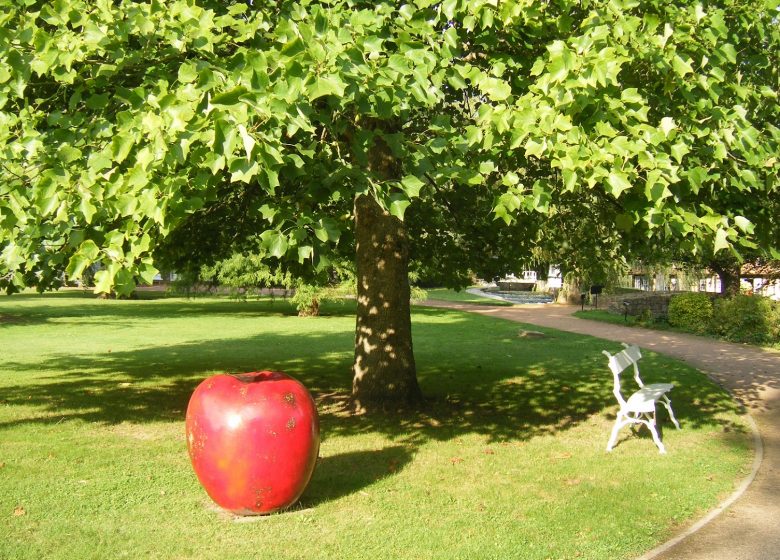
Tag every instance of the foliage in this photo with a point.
(691, 311)
(589, 128)
(744, 318)
(587, 131)
(740, 318)
(94, 453)
(645, 317)
(308, 297)
(245, 275)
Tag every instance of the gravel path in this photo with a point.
(749, 529)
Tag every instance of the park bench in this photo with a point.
(640, 406)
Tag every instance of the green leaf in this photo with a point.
(744, 224)
(268, 213)
(327, 85)
(721, 240)
(373, 44)
(87, 209)
(618, 182)
(327, 229)
(305, 252)
(224, 138)
(679, 151)
(121, 144)
(398, 206)
(126, 204)
(729, 52)
(275, 243)
(457, 81)
(411, 185)
(146, 272)
(534, 148)
(104, 281)
(76, 266)
(124, 282)
(448, 8)
(667, 125)
(97, 102)
(631, 95)
(657, 191)
(68, 154)
(89, 249)
(293, 48)
(188, 72)
(495, 88)
(696, 177)
(248, 140)
(681, 67)
(230, 97)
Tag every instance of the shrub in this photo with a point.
(244, 275)
(691, 312)
(743, 318)
(774, 321)
(645, 317)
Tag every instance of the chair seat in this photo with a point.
(662, 386)
(644, 400)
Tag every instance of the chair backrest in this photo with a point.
(618, 363)
(633, 353)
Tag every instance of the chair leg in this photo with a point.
(654, 432)
(668, 405)
(615, 430)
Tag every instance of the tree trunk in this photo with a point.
(384, 372)
(729, 274)
(729, 281)
(570, 292)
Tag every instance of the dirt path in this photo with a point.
(750, 528)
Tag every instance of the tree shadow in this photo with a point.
(346, 473)
(24, 309)
(537, 387)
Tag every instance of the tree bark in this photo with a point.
(384, 372)
(729, 281)
(729, 273)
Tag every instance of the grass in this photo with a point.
(506, 461)
(445, 294)
(615, 319)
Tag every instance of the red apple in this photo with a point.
(253, 440)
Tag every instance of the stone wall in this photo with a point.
(656, 302)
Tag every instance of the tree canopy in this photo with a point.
(485, 130)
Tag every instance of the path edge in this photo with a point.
(758, 459)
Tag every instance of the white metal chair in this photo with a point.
(640, 406)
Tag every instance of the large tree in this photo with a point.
(456, 134)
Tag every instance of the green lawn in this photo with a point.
(463, 297)
(607, 317)
(506, 461)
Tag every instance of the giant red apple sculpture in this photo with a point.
(253, 440)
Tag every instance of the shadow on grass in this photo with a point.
(489, 382)
(346, 473)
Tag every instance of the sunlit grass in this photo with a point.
(463, 296)
(506, 460)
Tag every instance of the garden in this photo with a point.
(741, 318)
(505, 459)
